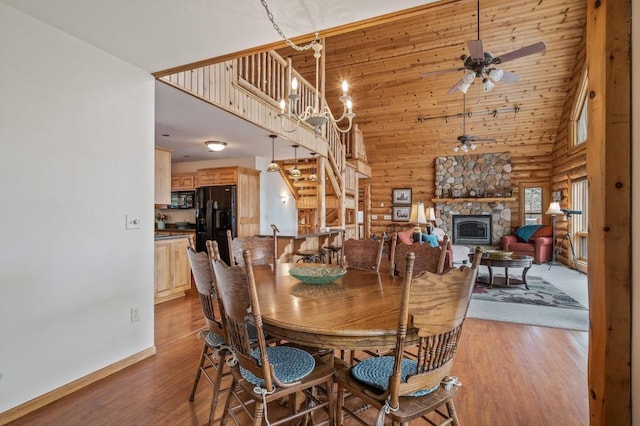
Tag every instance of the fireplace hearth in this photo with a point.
(471, 229)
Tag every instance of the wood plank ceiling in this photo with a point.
(384, 66)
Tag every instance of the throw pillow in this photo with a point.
(525, 232)
(431, 239)
(406, 236)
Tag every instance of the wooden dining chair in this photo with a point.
(213, 354)
(404, 388)
(428, 258)
(364, 254)
(262, 249)
(263, 374)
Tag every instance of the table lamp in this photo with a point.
(431, 218)
(418, 217)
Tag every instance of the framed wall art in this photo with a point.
(401, 214)
(401, 196)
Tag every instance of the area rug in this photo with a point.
(543, 304)
(540, 293)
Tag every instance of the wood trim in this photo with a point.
(474, 200)
(69, 388)
(609, 171)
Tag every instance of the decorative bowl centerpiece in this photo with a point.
(499, 254)
(317, 274)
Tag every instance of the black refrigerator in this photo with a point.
(215, 213)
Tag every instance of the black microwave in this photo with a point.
(182, 200)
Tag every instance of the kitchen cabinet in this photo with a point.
(172, 271)
(219, 176)
(248, 202)
(183, 181)
(162, 191)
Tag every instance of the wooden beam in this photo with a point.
(609, 174)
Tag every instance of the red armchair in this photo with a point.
(539, 245)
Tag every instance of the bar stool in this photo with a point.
(310, 256)
(333, 251)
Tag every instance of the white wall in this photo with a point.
(272, 208)
(76, 136)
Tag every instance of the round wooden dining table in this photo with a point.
(358, 311)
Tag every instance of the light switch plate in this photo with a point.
(374, 217)
(133, 222)
(387, 217)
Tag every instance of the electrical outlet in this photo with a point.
(133, 222)
(135, 314)
(381, 204)
(374, 217)
(387, 217)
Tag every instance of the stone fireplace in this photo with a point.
(471, 229)
(474, 185)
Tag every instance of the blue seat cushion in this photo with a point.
(214, 339)
(375, 372)
(289, 364)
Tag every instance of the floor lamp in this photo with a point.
(554, 211)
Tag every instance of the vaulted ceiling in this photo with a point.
(402, 113)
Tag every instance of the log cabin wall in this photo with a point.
(569, 162)
(385, 62)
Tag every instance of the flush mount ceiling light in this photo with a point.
(215, 145)
(273, 166)
(316, 115)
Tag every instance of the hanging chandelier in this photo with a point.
(315, 116)
(273, 166)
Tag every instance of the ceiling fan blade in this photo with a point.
(509, 77)
(538, 47)
(439, 72)
(476, 49)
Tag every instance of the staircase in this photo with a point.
(251, 87)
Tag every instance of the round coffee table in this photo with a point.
(513, 261)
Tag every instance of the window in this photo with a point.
(581, 124)
(533, 206)
(579, 222)
(579, 117)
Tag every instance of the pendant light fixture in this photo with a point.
(295, 172)
(313, 176)
(273, 166)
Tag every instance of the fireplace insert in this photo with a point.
(471, 229)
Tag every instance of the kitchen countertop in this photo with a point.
(307, 235)
(162, 237)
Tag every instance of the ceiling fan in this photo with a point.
(482, 64)
(465, 141)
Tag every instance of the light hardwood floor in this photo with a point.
(511, 375)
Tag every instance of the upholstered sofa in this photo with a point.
(531, 240)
